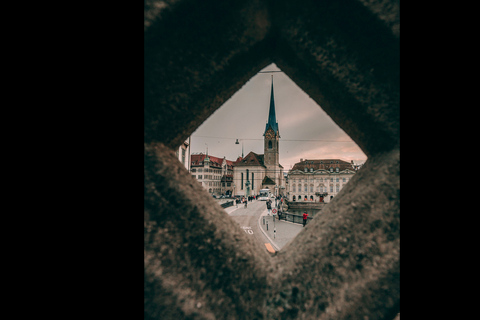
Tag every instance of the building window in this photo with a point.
(183, 156)
(241, 183)
(338, 188)
(331, 188)
(337, 169)
(311, 169)
(253, 181)
(294, 189)
(311, 188)
(199, 177)
(269, 144)
(306, 189)
(344, 180)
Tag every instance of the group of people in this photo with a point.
(244, 200)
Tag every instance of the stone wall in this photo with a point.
(345, 264)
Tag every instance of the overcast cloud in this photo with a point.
(299, 118)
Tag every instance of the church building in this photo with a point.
(261, 171)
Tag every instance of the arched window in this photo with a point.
(311, 188)
(269, 144)
(306, 189)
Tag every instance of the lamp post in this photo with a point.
(276, 195)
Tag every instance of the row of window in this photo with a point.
(207, 177)
(337, 169)
(319, 188)
(315, 180)
(209, 170)
(252, 181)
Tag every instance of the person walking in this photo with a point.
(269, 206)
(305, 216)
(245, 200)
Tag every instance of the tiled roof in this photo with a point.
(326, 164)
(267, 181)
(251, 159)
(197, 160)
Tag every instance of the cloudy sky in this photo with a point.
(306, 131)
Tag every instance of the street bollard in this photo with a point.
(263, 220)
(274, 232)
(267, 225)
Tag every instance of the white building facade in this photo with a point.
(318, 180)
(213, 173)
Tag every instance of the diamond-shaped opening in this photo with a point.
(317, 158)
(196, 262)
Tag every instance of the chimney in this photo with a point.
(301, 159)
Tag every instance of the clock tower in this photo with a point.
(271, 139)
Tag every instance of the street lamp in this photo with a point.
(236, 142)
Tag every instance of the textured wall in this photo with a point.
(345, 263)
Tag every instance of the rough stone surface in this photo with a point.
(198, 263)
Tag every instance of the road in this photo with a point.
(248, 220)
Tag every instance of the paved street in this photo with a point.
(251, 220)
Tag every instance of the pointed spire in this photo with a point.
(272, 120)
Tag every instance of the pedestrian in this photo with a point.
(269, 206)
(305, 216)
(236, 202)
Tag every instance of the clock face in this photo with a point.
(270, 134)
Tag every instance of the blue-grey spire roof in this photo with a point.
(272, 120)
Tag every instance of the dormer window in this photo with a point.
(306, 170)
(311, 169)
(331, 169)
(337, 169)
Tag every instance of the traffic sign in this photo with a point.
(274, 211)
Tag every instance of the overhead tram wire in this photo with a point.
(310, 140)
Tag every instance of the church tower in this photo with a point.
(271, 138)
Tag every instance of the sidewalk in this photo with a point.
(280, 232)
